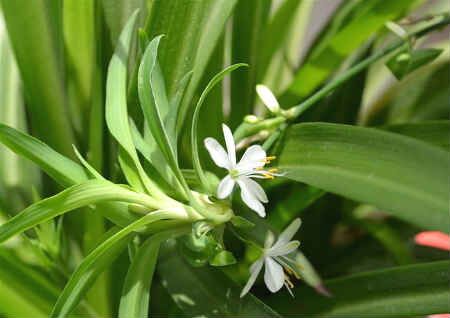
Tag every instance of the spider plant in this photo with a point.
(223, 158)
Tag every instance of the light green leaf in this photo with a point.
(63, 170)
(194, 142)
(39, 60)
(97, 261)
(155, 105)
(404, 177)
(116, 108)
(83, 194)
(406, 291)
(206, 291)
(136, 289)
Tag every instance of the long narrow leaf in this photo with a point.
(83, 194)
(116, 107)
(63, 170)
(194, 128)
(97, 261)
(155, 104)
(403, 176)
(406, 291)
(136, 290)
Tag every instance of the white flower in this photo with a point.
(250, 166)
(267, 97)
(275, 261)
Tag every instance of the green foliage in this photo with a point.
(104, 107)
(372, 166)
(405, 291)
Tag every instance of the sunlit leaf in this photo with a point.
(404, 177)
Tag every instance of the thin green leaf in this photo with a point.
(136, 289)
(194, 142)
(97, 261)
(94, 173)
(406, 291)
(155, 105)
(403, 176)
(83, 194)
(116, 107)
(63, 170)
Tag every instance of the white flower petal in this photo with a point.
(288, 233)
(267, 98)
(229, 141)
(255, 268)
(283, 249)
(254, 157)
(253, 187)
(273, 275)
(225, 187)
(251, 201)
(217, 153)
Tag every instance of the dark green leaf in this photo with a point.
(432, 132)
(407, 291)
(404, 177)
(205, 291)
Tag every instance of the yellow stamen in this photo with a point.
(288, 281)
(273, 170)
(268, 176)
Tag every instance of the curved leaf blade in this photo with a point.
(406, 291)
(194, 128)
(155, 104)
(405, 177)
(96, 262)
(65, 171)
(136, 290)
(83, 194)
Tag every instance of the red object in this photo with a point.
(439, 316)
(434, 239)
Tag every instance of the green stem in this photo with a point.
(246, 129)
(299, 109)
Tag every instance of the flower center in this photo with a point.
(234, 173)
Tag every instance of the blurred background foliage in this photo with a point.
(53, 62)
